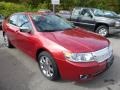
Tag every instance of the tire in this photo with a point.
(48, 66)
(102, 30)
(7, 41)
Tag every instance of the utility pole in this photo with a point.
(53, 8)
(54, 3)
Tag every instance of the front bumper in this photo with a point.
(113, 30)
(74, 71)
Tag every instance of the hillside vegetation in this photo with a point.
(8, 7)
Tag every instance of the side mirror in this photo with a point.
(90, 16)
(25, 29)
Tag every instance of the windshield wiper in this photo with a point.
(54, 30)
(51, 30)
(70, 28)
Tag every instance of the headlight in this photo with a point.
(79, 57)
(98, 56)
(117, 23)
(110, 50)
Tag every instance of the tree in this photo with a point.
(70, 4)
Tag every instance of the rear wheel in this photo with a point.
(102, 30)
(48, 66)
(7, 42)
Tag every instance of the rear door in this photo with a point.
(11, 28)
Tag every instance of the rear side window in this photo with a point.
(13, 20)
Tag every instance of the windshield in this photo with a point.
(50, 23)
(110, 13)
(98, 12)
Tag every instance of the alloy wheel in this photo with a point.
(103, 32)
(46, 66)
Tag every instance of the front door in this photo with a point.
(25, 40)
(86, 20)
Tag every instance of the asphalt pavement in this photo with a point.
(19, 72)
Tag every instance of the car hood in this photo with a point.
(78, 40)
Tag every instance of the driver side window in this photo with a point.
(13, 20)
(86, 13)
(23, 21)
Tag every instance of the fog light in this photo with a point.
(83, 77)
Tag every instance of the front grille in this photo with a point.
(102, 55)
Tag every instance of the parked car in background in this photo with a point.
(1, 20)
(61, 49)
(45, 11)
(64, 14)
(100, 21)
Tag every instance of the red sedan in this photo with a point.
(60, 48)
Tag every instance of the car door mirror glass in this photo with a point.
(25, 29)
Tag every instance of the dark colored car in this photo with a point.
(61, 49)
(100, 21)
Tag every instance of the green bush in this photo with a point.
(7, 9)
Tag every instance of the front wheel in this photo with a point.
(48, 66)
(102, 30)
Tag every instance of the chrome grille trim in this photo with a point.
(103, 54)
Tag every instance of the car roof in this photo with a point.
(85, 8)
(82, 7)
(91, 8)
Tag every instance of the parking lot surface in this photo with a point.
(19, 72)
